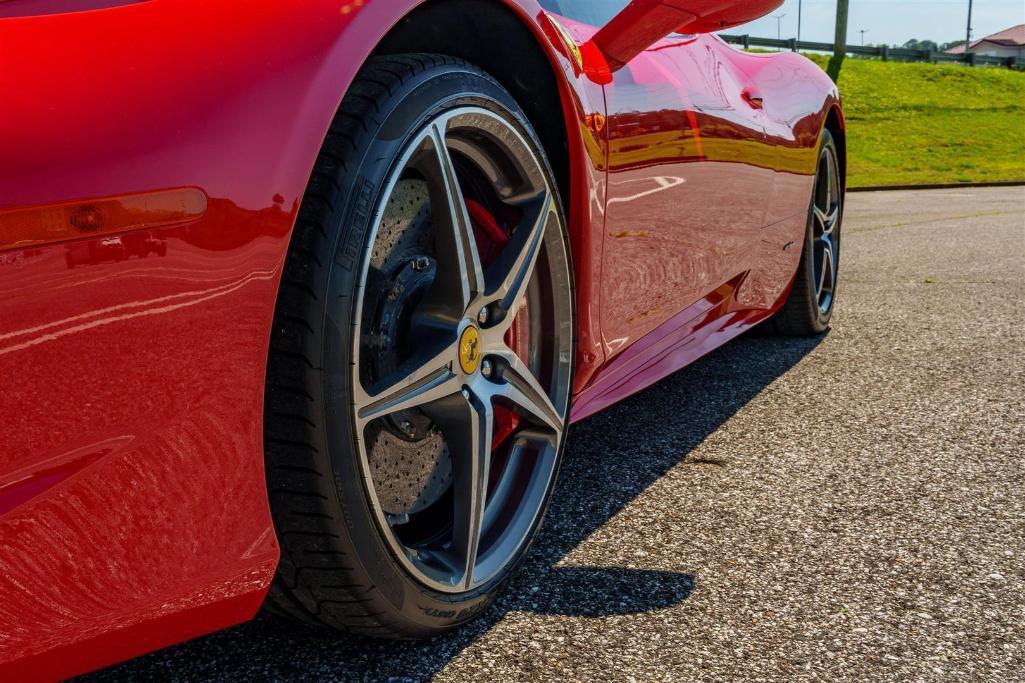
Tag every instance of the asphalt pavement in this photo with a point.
(850, 507)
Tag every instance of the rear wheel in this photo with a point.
(421, 362)
(809, 308)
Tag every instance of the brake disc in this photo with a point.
(409, 459)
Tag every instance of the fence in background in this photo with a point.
(884, 52)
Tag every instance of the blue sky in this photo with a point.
(892, 21)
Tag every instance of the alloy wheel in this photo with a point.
(462, 350)
(827, 210)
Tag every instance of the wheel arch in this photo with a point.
(837, 127)
(455, 28)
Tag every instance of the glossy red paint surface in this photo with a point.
(133, 508)
(707, 203)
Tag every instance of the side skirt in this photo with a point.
(694, 332)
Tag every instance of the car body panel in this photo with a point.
(133, 505)
(708, 201)
(685, 199)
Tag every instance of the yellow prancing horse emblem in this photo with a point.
(469, 350)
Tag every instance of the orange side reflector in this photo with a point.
(34, 226)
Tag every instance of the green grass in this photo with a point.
(917, 124)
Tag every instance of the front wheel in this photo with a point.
(421, 361)
(809, 307)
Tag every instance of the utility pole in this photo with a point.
(968, 36)
(779, 19)
(863, 32)
(800, 10)
(839, 40)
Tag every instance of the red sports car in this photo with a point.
(296, 297)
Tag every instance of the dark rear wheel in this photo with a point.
(421, 362)
(809, 308)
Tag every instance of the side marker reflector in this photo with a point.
(34, 226)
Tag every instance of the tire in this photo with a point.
(366, 535)
(809, 307)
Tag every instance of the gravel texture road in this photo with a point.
(850, 507)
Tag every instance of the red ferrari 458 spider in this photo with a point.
(296, 297)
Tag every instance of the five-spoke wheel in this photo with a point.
(422, 357)
(462, 367)
(826, 221)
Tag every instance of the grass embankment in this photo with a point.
(919, 124)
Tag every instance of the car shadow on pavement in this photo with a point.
(612, 458)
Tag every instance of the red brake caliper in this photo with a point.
(491, 239)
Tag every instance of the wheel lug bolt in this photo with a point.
(485, 368)
(482, 315)
(420, 263)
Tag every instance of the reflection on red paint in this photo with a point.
(690, 173)
(116, 248)
(25, 486)
(594, 63)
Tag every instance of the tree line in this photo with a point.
(915, 44)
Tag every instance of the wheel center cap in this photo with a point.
(470, 351)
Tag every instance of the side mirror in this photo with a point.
(642, 23)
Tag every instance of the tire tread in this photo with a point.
(316, 581)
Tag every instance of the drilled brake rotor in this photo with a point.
(409, 459)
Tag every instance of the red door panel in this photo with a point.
(689, 180)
